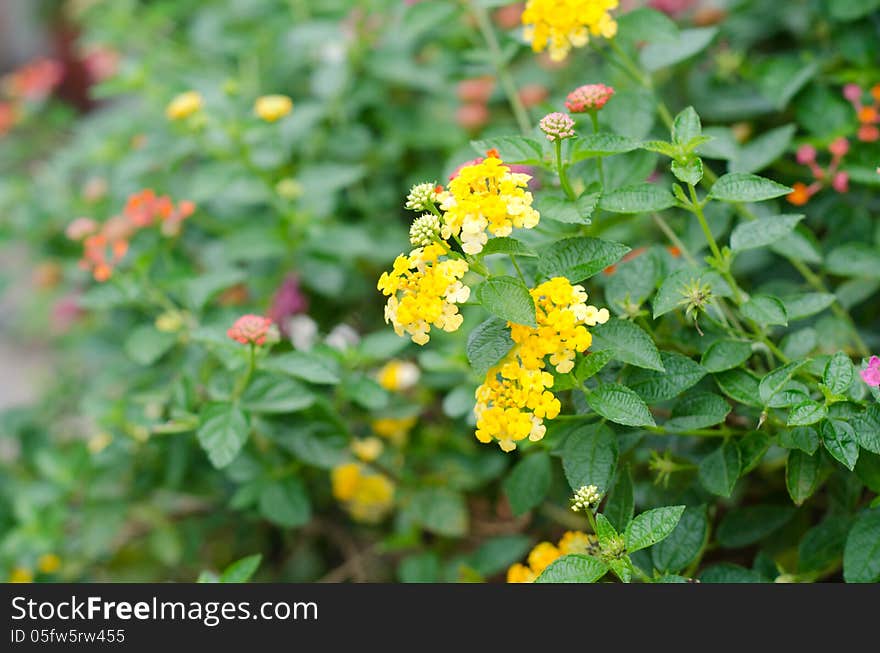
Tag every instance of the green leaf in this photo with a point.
(806, 413)
(745, 526)
(725, 354)
(651, 527)
(823, 544)
(565, 210)
(507, 245)
(646, 25)
(802, 305)
(867, 429)
(727, 572)
(801, 475)
(698, 410)
(719, 471)
(661, 54)
(760, 152)
(742, 187)
(605, 530)
(620, 504)
(639, 198)
(776, 380)
(780, 78)
(146, 344)
(629, 342)
(441, 511)
(686, 126)
(528, 482)
(286, 503)
(601, 144)
(222, 433)
(679, 374)
(763, 232)
(201, 289)
(512, 149)
(854, 260)
(861, 557)
(590, 364)
(365, 392)
(847, 10)
(800, 245)
(487, 344)
(804, 438)
(268, 393)
(589, 456)
(684, 544)
(310, 366)
(765, 310)
(839, 373)
(839, 439)
(509, 299)
(689, 172)
(579, 258)
(740, 385)
(621, 405)
(671, 294)
(573, 568)
(241, 570)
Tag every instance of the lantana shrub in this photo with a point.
(449, 291)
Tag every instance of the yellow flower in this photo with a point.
(48, 563)
(486, 197)
(398, 375)
(184, 105)
(515, 398)
(366, 495)
(545, 553)
(367, 449)
(561, 25)
(423, 292)
(394, 429)
(273, 107)
(21, 575)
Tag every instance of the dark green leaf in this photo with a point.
(509, 299)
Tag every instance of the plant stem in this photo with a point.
(594, 117)
(560, 170)
(518, 271)
(245, 380)
(507, 83)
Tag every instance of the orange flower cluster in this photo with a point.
(104, 245)
(868, 114)
(35, 80)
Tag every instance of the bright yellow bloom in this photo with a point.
(184, 105)
(394, 429)
(21, 575)
(273, 107)
(423, 291)
(561, 25)
(48, 563)
(398, 375)
(367, 449)
(366, 495)
(515, 398)
(486, 197)
(545, 553)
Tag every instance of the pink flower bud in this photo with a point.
(840, 183)
(839, 147)
(588, 98)
(806, 154)
(868, 133)
(852, 92)
(557, 126)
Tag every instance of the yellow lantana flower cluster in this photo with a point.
(515, 397)
(546, 553)
(367, 496)
(560, 25)
(486, 197)
(423, 291)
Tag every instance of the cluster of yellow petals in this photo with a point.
(546, 553)
(367, 496)
(486, 197)
(515, 398)
(423, 291)
(560, 25)
(394, 429)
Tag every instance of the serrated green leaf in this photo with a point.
(679, 374)
(590, 364)
(487, 344)
(773, 382)
(696, 411)
(801, 475)
(686, 126)
(222, 433)
(740, 385)
(601, 144)
(839, 439)
(629, 343)
(804, 438)
(528, 482)
(867, 429)
(579, 258)
(565, 210)
(763, 232)
(861, 556)
(839, 373)
(743, 187)
(573, 568)
(719, 471)
(666, 53)
(621, 405)
(512, 149)
(806, 413)
(589, 456)
(639, 198)
(509, 299)
(823, 544)
(507, 245)
(689, 172)
(684, 544)
(766, 310)
(651, 527)
(725, 354)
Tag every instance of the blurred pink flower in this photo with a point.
(287, 302)
(871, 374)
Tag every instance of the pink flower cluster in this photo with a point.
(589, 97)
(250, 329)
(867, 114)
(871, 374)
(557, 126)
(839, 180)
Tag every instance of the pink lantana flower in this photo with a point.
(871, 374)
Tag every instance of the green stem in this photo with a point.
(245, 380)
(518, 271)
(560, 170)
(594, 117)
(507, 83)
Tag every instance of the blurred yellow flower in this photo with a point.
(398, 375)
(561, 25)
(273, 107)
(367, 496)
(367, 449)
(48, 563)
(394, 429)
(545, 553)
(21, 575)
(184, 105)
